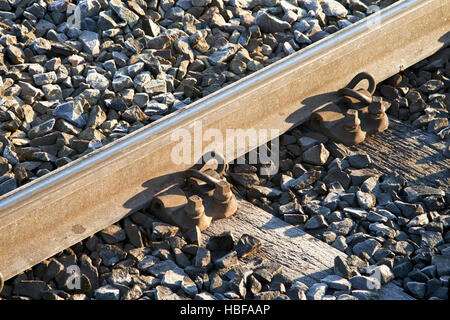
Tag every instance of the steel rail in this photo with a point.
(54, 212)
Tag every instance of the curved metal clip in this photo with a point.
(356, 115)
(361, 97)
(187, 210)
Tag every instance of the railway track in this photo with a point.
(70, 201)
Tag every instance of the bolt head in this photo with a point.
(223, 187)
(222, 191)
(351, 118)
(377, 106)
(195, 202)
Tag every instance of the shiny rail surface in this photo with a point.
(50, 214)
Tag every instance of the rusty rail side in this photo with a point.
(52, 213)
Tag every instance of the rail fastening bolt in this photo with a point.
(351, 119)
(194, 207)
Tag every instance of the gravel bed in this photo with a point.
(140, 258)
(70, 89)
(390, 230)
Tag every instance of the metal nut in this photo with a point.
(351, 119)
(377, 106)
(194, 206)
(222, 191)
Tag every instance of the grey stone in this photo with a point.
(163, 230)
(164, 293)
(333, 9)
(336, 282)
(105, 22)
(368, 246)
(354, 213)
(432, 86)
(430, 239)
(296, 294)
(365, 283)
(172, 279)
(107, 292)
(316, 291)
(417, 289)
(267, 271)
(120, 276)
(381, 272)
(97, 80)
(204, 296)
(160, 268)
(202, 258)
(316, 155)
(90, 42)
(358, 176)
(382, 230)
(365, 200)
(246, 245)
(41, 129)
(418, 192)
(342, 268)
(399, 247)
(189, 287)
(346, 297)
(442, 264)
(154, 87)
(313, 5)
(72, 112)
(121, 82)
(217, 284)
(340, 243)
(359, 161)
(224, 54)
(155, 108)
(329, 236)
(256, 191)
(341, 228)
(409, 210)
(373, 216)
(44, 78)
(429, 271)
(141, 99)
(124, 13)
(402, 270)
(227, 261)
(30, 288)
(365, 294)
(339, 176)
(113, 234)
(316, 222)
(111, 254)
(269, 23)
(89, 270)
(147, 262)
